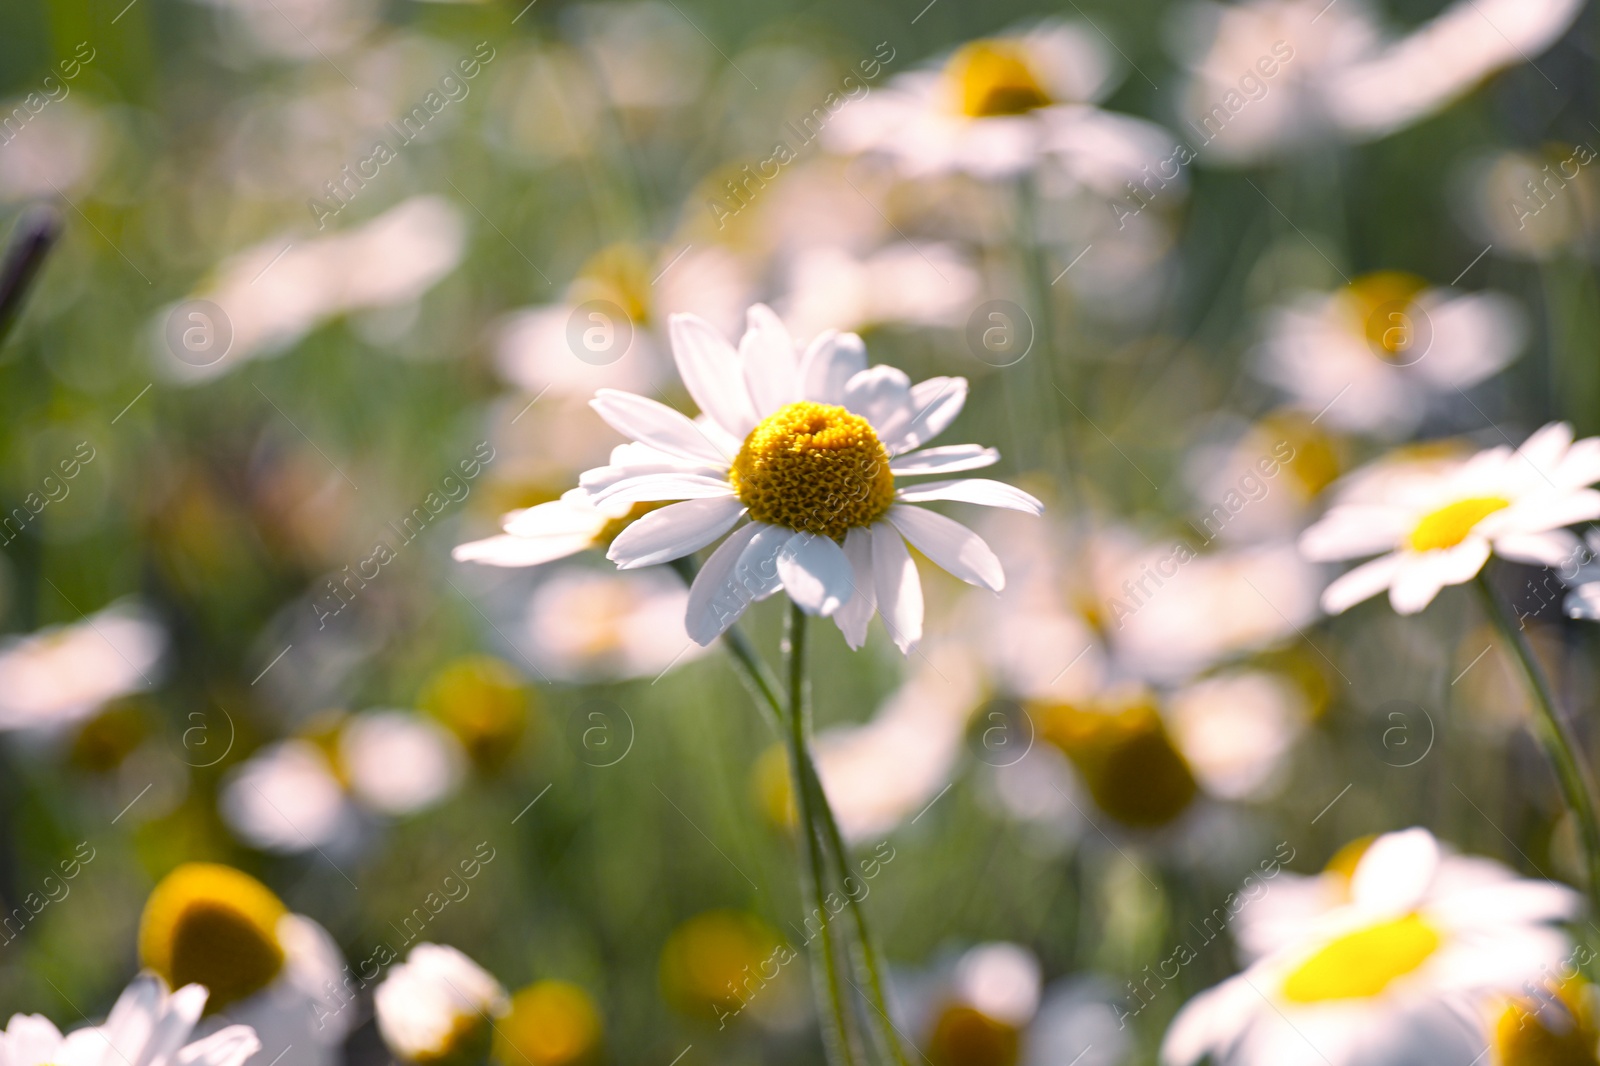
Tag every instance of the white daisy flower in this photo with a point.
(1370, 356)
(65, 673)
(996, 106)
(807, 448)
(1270, 75)
(438, 1007)
(1438, 527)
(277, 972)
(294, 795)
(1403, 972)
(148, 1025)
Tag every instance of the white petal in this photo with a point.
(655, 487)
(828, 365)
(853, 617)
(595, 481)
(947, 460)
(973, 490)
(770, 367)
(950, 545)
(815, 573)
(1362, 583)
(1422, 576)
(657, 425)
(1555, 548)
(1546, 447)
(1547, 511)
(507, 550)
(935, 403)
(1395, 872)
(674, 531)
(226, 1047)
(1584, 602)
(1353, 530)
(898, 588)
(881, 395)
(714, 600)
(711, 372)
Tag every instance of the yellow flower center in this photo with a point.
(1553, 1030)
(619, 273)
(552, 1023)
(484, 703)
(715, 960)
(1381, 302)
(814, 468)
(965, 1036)
(215, 926)
(1361, 964)
(1126, 759)
(993, 78)
(1450, 524)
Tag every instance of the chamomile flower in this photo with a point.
(1371, 356)
(997, 106)
(272, 970)
(438, 1008)
(1439, 524)
(1402, 972)
(148, 1025)
(808, 448)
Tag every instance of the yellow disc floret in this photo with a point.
(814, 468)
(1450, 524)
(213, 925)
(552, 1023)
(993, 78)
(1382, 302)
(1361, 964)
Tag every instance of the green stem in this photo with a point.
(840, 1034)
(1560, 745)
(764, 687)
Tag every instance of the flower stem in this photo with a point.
(1557, 738)
(839, 1035)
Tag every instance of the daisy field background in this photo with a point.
(1235, 370)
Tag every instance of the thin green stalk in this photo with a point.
(764, 687)
(1045, 356)
(1560, 745)
(840, 1034)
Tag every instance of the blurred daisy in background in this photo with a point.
(549, 531)
(148, 1025)
(823, 439)
(298, 794)
(550, 1023)
(1403, 971)
(1269, 76)
(1537, 205)
(1438, 528)
(901, 284)
(273, 294)
(989, 1004)
(438, 1007)
(274, 971)
(1371, 356)
(587, 625)
(996, 106)
(63, 674)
